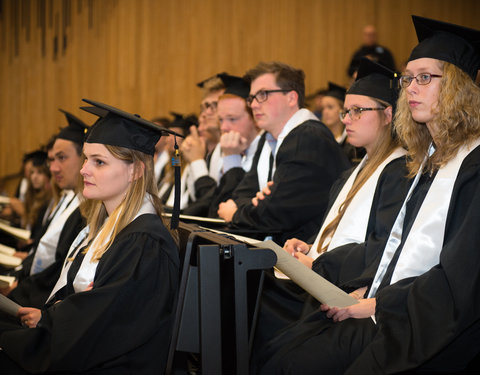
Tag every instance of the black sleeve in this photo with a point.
(223, 192)
(34, 290)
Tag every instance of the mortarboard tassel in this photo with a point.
(176, 204)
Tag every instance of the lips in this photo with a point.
(413, 103)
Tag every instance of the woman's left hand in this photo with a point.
(29, 316)
(365, 308)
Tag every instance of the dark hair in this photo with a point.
(286, 77)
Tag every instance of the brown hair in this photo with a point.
(456, 117)
(383, 147)
(286, 76)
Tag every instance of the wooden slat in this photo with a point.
(145, 56)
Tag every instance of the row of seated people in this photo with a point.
(397, 232)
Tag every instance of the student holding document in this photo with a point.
(421, 311)
(364, 202)
(111, 309)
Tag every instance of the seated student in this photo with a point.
(332, 106)
(162, 156)
(364, 202)
(423, 297)
(111, 310)
(203, 151)
(181, 125)
(302, 154)
(238, 144)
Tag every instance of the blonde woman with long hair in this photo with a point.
(421, 311)
(112, 307)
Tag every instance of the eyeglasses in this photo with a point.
(208, 105)
(262, 96)
(421, 78)
(356, 112)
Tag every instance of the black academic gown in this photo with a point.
(34, 290)
(352, 265)
(122, 325)
(429, 323)
(308, 161)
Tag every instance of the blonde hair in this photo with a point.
(456, 118)
(384, 145)
(107, 227)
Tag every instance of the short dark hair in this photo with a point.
(286, 76)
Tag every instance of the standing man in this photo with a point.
(302, 156)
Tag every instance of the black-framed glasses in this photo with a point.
(208, 105)
(356, 112)
(421, 78)
(262, 96)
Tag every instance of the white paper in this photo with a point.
(7, 250)
(20, 233)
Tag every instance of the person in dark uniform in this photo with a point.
(421, 310)
(303, 158)
(112, 307)
(364, 201)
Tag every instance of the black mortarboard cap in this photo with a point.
(201, 84)
(443, 41)
(336, 91)
(376, 81)
(235, 85)
(119, 128)
(75, 130)
(38, 157)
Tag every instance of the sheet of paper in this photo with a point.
(6, 250)
(320, 288)
(9, 261)
(4, 199)
(197, 218)
(8, 306)
(20, 233)
(6, 281)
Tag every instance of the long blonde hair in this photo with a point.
(456, 117)
(107, 227)
(384, 145)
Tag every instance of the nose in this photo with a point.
(84, 171)
(54, 166)
(346, 120)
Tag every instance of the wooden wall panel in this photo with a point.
(145, 56)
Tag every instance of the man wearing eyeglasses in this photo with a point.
(299, 161)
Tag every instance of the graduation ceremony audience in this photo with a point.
(375, 189)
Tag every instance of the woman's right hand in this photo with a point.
(29, 316)
(294, 245)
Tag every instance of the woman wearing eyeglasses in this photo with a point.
(422, 309)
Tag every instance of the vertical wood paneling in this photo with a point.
(146, 55)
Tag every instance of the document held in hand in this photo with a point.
(8, 306)
(320, 288)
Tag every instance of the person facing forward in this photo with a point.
(424, 295)
(112, 307)
(300, 156)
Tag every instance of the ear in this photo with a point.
(388, 115)
(135, 171)
(292, 97)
